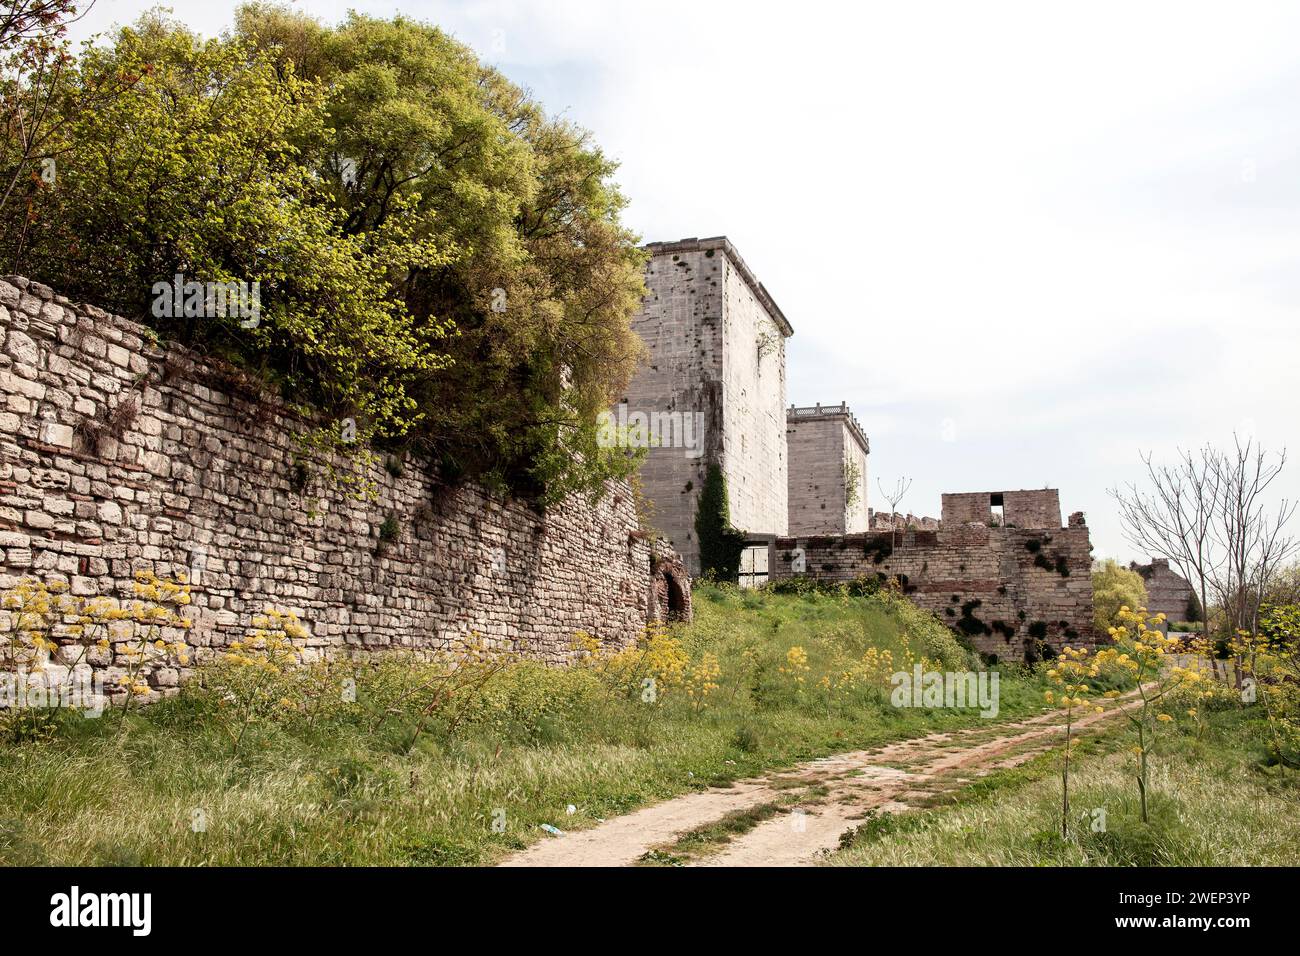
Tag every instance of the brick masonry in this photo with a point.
(117, 455)
(1168, 592)
(1009, 589)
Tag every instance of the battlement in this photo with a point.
(840, 413)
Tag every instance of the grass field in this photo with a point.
(1216, 802)
(376, 782)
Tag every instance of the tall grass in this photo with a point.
(375, 782)
(1215, 801)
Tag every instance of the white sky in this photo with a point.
(1023, 241)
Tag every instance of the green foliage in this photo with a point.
(540, 279)
(1114, 587)
(861, 586)
(196, 170)
(437, 260)
(720, 543)
(852, 484)
(1220, 807)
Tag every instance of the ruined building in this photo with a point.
(1168, 592)
(711, 392)
(1000, 569)
(998, 566)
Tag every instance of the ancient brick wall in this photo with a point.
(1007, 589)
(118, 455)
(1040, 508)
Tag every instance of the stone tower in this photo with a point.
(712, 390)
(828, 470)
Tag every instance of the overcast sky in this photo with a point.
(1025, 242)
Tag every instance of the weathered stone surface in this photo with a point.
(716, 349)
(1168, 592)
(1009, 589)
(202, 482)
(827, 450)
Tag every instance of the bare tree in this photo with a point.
(899, 492)
(1210, 515)
(1251, 532)
(1174, 517)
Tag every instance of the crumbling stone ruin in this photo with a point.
(1168, 592)
(119, 455)
(880, 521)
(1018, 590)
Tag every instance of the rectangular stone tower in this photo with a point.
(828, 470)
(715, 374)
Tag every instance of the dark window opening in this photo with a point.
(676, 598)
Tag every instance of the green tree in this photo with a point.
(540, 279)
(437, 260)
(1114, 587)
(195, 171)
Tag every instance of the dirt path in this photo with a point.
(786, 818)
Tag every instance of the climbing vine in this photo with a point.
(720, 543)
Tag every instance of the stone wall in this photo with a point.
(1009, 590)
(1168, 592)
(118, 455)
(1039, 508)
(754, 456)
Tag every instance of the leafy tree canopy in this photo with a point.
(1114, 587)
(437, 260)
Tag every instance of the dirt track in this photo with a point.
(819, 800)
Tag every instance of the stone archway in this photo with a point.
(679, 603)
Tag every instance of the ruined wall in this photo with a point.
(1168, 592)
(884, 521)
(117, 455)
(1039, 508)
(699, 321)
(819, 442)
(1007, 589)
(670, 587)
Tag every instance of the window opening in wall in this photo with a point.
(997, 514)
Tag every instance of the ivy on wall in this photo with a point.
(720, 543)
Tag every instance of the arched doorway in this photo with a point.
(676, 598)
